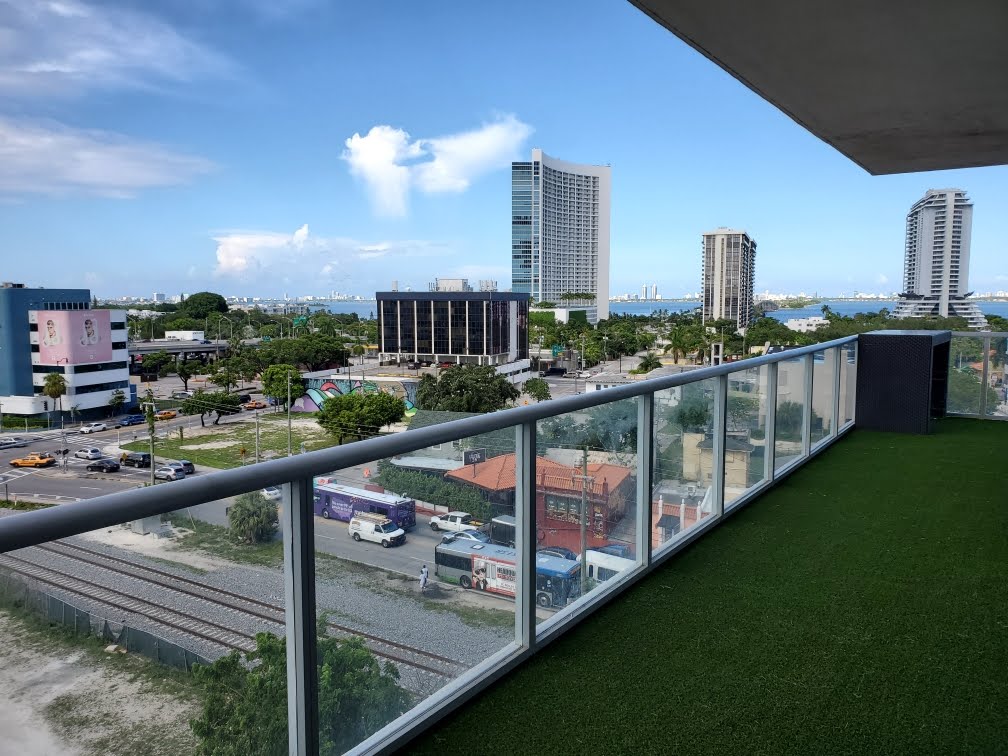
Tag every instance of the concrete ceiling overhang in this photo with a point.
(896, 86)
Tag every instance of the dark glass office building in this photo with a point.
(478, 327)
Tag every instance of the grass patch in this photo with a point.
(234, 437)
(859, 606)
(218, 541)
(24, 506)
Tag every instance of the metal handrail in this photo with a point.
(32, 528)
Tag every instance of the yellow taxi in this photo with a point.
(254, 405)
(165, 415)
(35, 459)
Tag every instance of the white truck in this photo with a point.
(454, 522)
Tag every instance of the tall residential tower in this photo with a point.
(936, 265)
(560, 232)
(729, 268)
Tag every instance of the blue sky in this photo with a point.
(262, 148)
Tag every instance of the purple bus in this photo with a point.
(333, 500)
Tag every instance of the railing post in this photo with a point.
(809, 362)
(525, 535)
(770, 430)
(985, 379)
(718, 446)
(853, 382)
(645, 465)
(299, 588)
(835, 425)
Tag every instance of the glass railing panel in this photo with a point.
(823, 394)
(789, 420)
(965, 385)
(682, 495)
(997, 377)
(745, 432)
(585, 494)
(169, 611)
(848, 381)
(416, 574)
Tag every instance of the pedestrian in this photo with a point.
(423, 578)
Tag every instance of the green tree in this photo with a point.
(116, 402)
(648, 363)
(691, 414)
(538, 389)
(253, 518)
(466, 388)
(964, 392)
(203, 304)
(55, 386)
(158, 362)
(740, 409)
(186, 370)
(676, 343)
(245, 697)
(274, 379)
(218, 403)
(359, 415)
(788, 422)
(225, 373)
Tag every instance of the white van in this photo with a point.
(377, 528)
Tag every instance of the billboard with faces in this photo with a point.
(74, 337)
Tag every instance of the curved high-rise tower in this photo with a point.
(936, 265)
(560, 232)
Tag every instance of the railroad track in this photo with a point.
(274, 614)
(183, 622)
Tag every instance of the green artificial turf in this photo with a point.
(860, 606)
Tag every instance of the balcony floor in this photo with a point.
(860, 606)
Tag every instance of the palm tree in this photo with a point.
(677, 343)
(648, 363)
(54, 387)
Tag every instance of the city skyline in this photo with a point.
(214, 148)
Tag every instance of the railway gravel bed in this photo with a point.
(356, 599)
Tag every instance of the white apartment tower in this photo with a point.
(936, 262)
(729, 268)
(560, 232)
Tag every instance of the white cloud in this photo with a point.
(881, 279)
(299, 256)
(50, 158)
(390, 163)
(66, 46)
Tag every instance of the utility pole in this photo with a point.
(585, 480)
(257, 436)
(288, 414)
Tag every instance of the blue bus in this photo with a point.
(489, 567)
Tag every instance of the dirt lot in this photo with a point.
(66, 698)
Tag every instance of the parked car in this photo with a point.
(557, 551)
(183, 394)
(242, 398)
(377, 528)
(412, 365)
(11, 442)
(89, 453)
(454, 521)
(254, 405)
(35, 459)
(188, 466)
(466, 535)
(446, 364)
(92, 427)
(130, 420)
(168, 473)
(165, 415)
(178, 467)
(137, 459)
(104, 465)
(273, 493)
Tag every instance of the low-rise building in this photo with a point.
(45, 331)
(805, 325)
(464, 327)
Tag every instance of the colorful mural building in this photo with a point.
(608, 489)
(320, 389)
